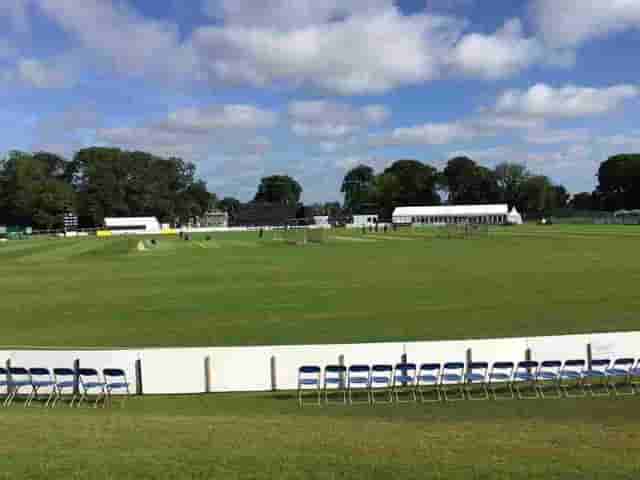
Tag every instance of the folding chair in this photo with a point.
(571, 375)
(116, 380)
(64, 379)
(634, 376)
(619, 375)
(595, 380)
(404, 381)
(548, 379)
(4, 384)
(500, 378)
(358, 381)
(40, 378)
(19, 378)
(476, 381)
(334, 382)
(452, 379)
(309, 380)
(381, 383)
(428, 381)
(90, 384)
(525, 376)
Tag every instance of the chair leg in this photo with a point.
(47, 404)
(483, 392)
(422, 391)
(507, 386)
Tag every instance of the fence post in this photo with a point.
(10, 383)
(207, 374)
(139, 390)
(76, 376)
(274, 378)
(469, 358)
(404, 358)
(589, 356)
(343, 379)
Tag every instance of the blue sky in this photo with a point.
(248, 88)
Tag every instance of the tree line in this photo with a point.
(462, 181)
(38, 189)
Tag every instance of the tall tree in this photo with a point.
(279, 189)
(415, 183)
(230, 205)
(619, 182)
(510, 178)
(357, 187)
(469, 183)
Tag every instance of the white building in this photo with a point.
(451, 214)
(133, 225)
(360, 221)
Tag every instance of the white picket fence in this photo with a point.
(259, 369)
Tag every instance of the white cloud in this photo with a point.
(427, 134)
(544, 101)
(132, 44)
(221, 117)
(333, 120)
(549, 137)
(193, 133)
(362, 54)
(571, 22)
(38, 74)
(503, 53)
(287, 14)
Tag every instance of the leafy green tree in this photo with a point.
(415, 183)
(619, 182)
(469, 183)
(357, 187)
(230, 205)
(278, 189)
(510, 178)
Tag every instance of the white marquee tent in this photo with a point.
(132, 225)
(452, 214)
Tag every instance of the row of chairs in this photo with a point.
(78, 385)
(406, 382)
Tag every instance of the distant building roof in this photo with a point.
(129, 221)
(452, 210)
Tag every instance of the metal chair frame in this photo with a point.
(619, 376)
(548, 379)
(428, 381)
(309, 381)
(571, 378)
(18, 378)
(334, 382)
(41, 378)
(596, 381)
(64, 378)
(634, 376)
(452, 380)
(525, 376)
(404, 382)
(89, 381)
(476, 376)
(115, 379)
(501, 377)
(359, 381)
(381, 384)
(5, 384)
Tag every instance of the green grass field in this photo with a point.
(239, 290)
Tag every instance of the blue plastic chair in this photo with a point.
(4, 384)
(404, 382)
(595, 379)
(18, 380)
(500, 379)
(335, 378)
(476, 381)
(619, 376)
(428, 382)
(116, 380)
(41, 379)
(452, 380)
(548, 379)
(524, 378)
(570, 380)
(634, 376)
(65, 383)
(91, 384)
(359, 380)
(381, 385)
(309, 381)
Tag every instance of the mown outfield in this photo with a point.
(236, 290)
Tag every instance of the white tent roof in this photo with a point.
(452, 210)
(130, 221)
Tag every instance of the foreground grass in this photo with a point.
(242, 436)
(238, 290)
